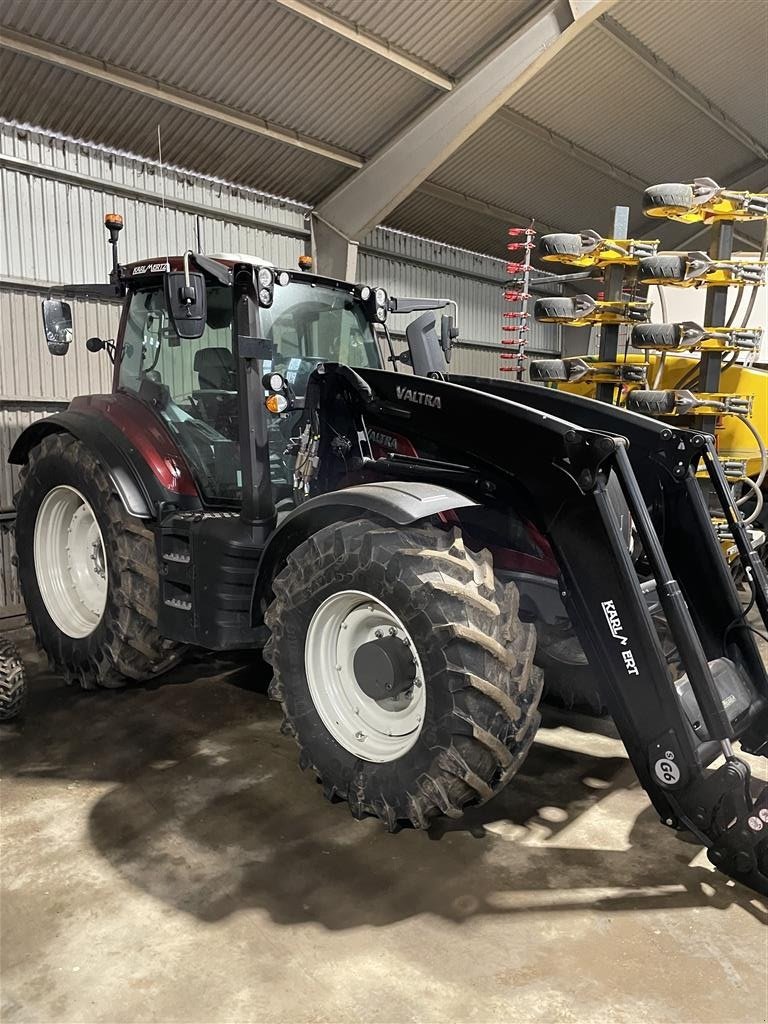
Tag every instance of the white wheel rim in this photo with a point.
(372, 730)
(70, 562)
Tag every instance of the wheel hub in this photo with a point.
(364, 676)
(384, 667)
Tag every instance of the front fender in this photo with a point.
(395, 501)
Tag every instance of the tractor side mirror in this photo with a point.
(186, 301)
(57, 324)
(448, 334)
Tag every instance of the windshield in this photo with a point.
(311, 323)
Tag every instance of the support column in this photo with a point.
(614, 285)
(333, 254)
(715, 309)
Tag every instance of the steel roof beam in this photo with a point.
(569, 148)
(354, 34)
(152, 89)
(364, 200)
(667, 74)
(449, 195)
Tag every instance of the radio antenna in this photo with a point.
(162, 194)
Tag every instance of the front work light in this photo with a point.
(276, 404)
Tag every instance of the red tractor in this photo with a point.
(394, 543)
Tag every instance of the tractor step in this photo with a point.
(208, 561)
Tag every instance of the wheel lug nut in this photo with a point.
(379, 634)
(360, 736)
(392, 631)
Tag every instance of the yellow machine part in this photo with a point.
(604, 312)
(603, 255)
(734, 439)
(719, 277)
(724, 207)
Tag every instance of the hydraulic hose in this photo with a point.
(753, 295)
(759, 500)
(756, 484)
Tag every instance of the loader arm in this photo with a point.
(528, 449)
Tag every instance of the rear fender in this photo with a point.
(146, 475)
(398, 503)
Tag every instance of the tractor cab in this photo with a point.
(193, 383)
(196, 330)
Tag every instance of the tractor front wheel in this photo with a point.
(87, 570)
(403, 670)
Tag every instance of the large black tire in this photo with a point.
(664, 267)
(125, 645)
(569, 681)
(671, 195)
(482, 691)
(13, 681)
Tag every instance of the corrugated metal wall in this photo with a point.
(406, 265)
(54, 193)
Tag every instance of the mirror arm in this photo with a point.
(415, 305)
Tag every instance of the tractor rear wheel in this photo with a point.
(569, 681)
(87, 570)
(403, 670)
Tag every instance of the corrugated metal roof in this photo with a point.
(719, 47)
(260, 59)
(521, 173)
(55, 98)
(423, 214)
(449, 36)
(607, 101)
(274, 64)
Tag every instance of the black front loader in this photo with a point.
(550, 455)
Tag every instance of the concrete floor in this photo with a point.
(163, 859)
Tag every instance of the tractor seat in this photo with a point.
(215, 369)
